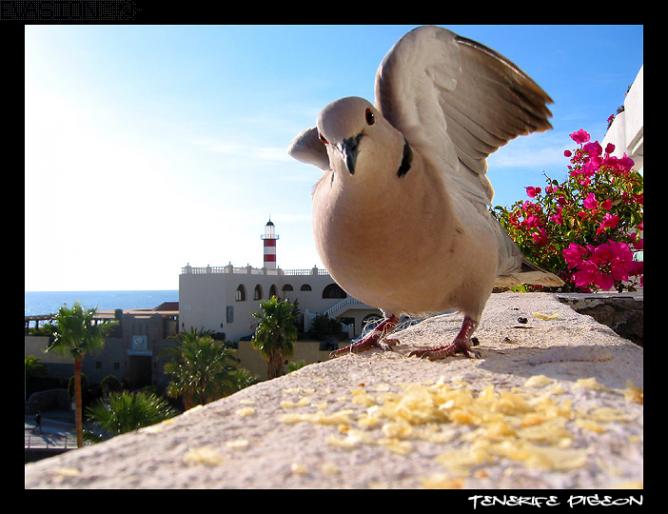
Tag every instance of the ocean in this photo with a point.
(48, 302)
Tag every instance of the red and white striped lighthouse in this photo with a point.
(269, 238)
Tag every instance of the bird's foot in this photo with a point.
(441, 352)
(374, 339)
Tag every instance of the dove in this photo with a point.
(401, 214)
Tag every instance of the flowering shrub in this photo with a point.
(587, 228)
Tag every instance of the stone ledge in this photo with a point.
(280, 455)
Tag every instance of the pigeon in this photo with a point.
(401, 215)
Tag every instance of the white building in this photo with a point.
(223, 298)
(626, 130)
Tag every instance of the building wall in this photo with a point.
(115, 357)
(204, 298)
(626, 131)
(308, 351)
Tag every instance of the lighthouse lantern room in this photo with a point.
(269, 237)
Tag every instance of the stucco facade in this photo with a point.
(222, 299)
(626, 130)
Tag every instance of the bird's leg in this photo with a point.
(461, 344)
(373, 338)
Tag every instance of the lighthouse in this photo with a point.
(269, 237)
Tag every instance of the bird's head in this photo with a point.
(359, 140)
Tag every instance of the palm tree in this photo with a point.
(124, 412)
(76, 335)
(202, 369)
(275, 334)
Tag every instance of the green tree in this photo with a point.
(275, 334)
(201, 369)
(295, 365)
(75, 335)
(111, 384)
(243, 378)
(124, 412)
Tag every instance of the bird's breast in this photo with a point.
(387, 246)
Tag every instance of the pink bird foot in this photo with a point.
(372, 339)
(461, 344)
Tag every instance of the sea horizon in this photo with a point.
(48, 302)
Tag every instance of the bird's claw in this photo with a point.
(365, 344)
(457, 346)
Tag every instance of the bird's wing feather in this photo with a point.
(306, 147)
(458, 101)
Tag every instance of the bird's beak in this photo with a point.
(349, 150)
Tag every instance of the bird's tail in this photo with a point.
(529, 274)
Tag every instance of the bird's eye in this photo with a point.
(369, 117)
(322, 139)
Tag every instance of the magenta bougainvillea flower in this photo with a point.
(580, 137)
(587, 227)
(593, 149)
(532, 191)
(590, 202)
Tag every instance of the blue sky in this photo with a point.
(151, 146)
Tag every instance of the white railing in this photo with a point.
(249, 270)
(341, 306)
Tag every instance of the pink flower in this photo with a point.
(640, 225)
(562, 200)
(593, 149)
(532, 221)
(532, 191)
(581, 136)
(609, 148)
(582, 215)
(573, 254)
(639, 198)
(609, 221)
(590, 202)
(556, 217)
(636, 268)
(540, 237)
(625, 164)
(606, 204)
(585, 182)
(592, 166)
(638, 245)
(567, 153)
(611, 118)
(586, 274)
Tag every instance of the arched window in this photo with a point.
(286, 288)
(258, 293)
(334, 291)
(241, 294)
(272, 291)
(305, 287)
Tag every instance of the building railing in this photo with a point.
(249, 270)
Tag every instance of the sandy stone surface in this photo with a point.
(244, 441)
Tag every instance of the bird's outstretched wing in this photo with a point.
(458, 100)
(306, 147)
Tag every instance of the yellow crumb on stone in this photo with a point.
(538, 381)
(397, 429)
(329, 468)
(319, 406)
(632, 393)
(442, 482)
(481, 473)
(588, 383)
(556, 389)
(592, 426)
(247, 401)
(609, 414)
(246, 411)
(343, 428)
(237, 444)
(634, 439)
(395, 445)
(298, 468)
(204, 455)
(378, 485)
(544, 316)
